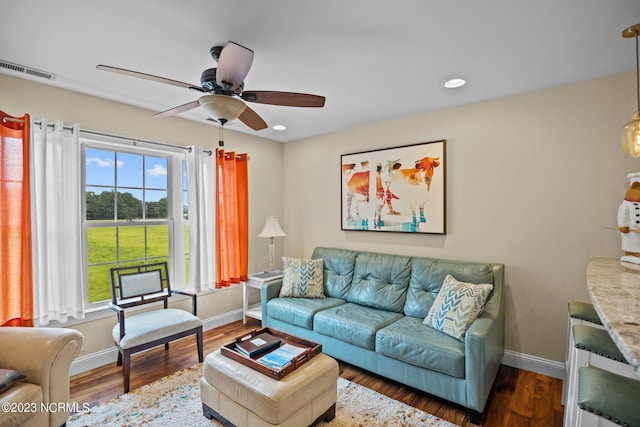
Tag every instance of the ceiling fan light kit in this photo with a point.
(631, 130)
(222, 107)
(225, 98)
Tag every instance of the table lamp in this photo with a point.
(271, 229)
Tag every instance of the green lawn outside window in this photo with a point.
(134, 249)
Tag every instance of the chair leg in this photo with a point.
(200, 345)
(119, 361)
(166, 346)
(126, 370)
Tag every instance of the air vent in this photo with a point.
(26, 70)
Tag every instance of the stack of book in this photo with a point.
(281, 357)
(257, 345)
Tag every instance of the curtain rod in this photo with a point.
(238, 156)
(109, 135)
(37, 122)
(138, 140)
(51, 125)
(134, 140)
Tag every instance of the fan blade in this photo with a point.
(288, 99)
(233, 65)
(179, 109)
(252, 119)
(149, 77)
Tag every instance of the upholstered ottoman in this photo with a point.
(235, 394)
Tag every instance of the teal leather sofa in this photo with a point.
(372, 317)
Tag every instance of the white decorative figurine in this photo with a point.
(629, 221)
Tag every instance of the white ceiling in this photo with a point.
(373, 60)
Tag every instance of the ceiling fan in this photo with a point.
(224, 96)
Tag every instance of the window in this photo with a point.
(135, 211)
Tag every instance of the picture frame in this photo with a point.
(397, 189)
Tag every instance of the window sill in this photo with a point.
(99, 312)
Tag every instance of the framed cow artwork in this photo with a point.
(398, 189)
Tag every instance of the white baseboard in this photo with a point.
(547, 367)
(221, 320)
(110, 355)
(93, 360)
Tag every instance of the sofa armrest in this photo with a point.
(269, 291)
(484, 344)
(44, 355)
(484, 350)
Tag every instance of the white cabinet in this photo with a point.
(256, 281)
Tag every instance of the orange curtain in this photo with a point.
(16, 280)
(232, 218)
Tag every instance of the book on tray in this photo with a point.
(282, 356)
(257, 345)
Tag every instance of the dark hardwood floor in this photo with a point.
(519, 398)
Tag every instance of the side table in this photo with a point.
(256, 281)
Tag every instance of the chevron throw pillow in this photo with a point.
(457, 305)
(302, 278)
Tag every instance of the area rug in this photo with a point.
(175, 401)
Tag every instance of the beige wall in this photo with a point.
(19, 96)
(533, 181)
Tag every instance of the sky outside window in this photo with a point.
(133, 171)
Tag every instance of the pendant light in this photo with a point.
(631, 131)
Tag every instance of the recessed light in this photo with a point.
(279, 127)
(454, 83)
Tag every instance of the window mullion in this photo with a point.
(153, 225)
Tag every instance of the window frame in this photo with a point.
(175, 221)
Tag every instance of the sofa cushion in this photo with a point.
(299, 311)
(427, 276)
(408, 340)
(302, 278)
(353, 323)
(422, 291)
(338, 270)
(457, 305)
(8, 377)
(30, 396)
(380, 281)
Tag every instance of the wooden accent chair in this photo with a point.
(148, 284)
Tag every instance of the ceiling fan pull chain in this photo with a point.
(221, 135)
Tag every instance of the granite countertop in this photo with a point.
(614, 290)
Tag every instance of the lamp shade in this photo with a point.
(631, 137)
(272, 228)
(223, 107)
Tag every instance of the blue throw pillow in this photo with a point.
(302, 278)
(457, 305)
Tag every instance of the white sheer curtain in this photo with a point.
(202, 228)
(56, 198)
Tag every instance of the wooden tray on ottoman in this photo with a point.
(312, 349)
